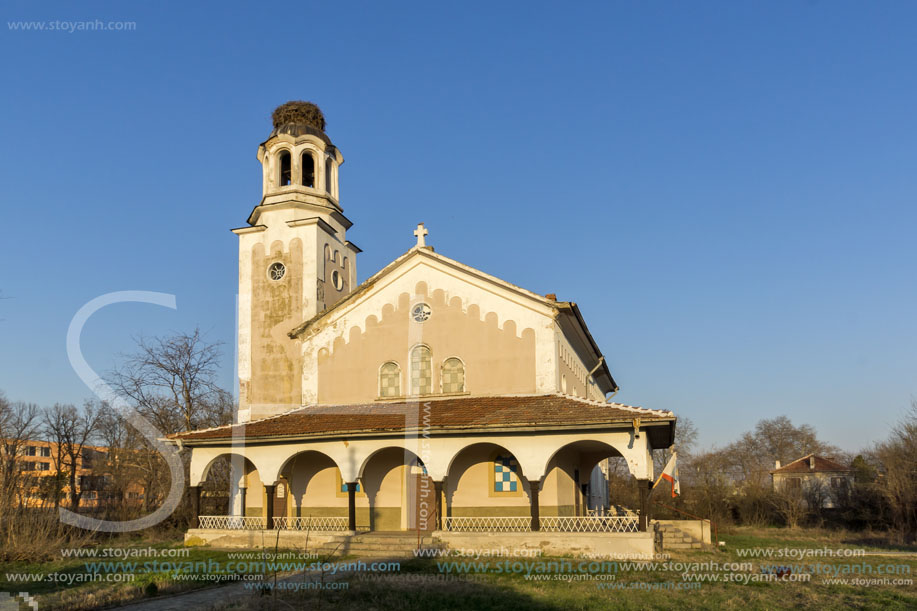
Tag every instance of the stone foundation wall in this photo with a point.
(596, 546)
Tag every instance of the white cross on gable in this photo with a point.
(421, 233)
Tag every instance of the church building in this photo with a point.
(431, 397)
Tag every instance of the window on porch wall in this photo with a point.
(505, 474)
(421, 371)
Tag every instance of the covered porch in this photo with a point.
(466, 468)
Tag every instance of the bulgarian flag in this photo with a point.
(670, 474)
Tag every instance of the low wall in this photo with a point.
(699, 529)
(257, 539)
(638, 545)
(615, 546)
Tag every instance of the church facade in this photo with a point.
(430, 397)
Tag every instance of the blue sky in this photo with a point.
(726, 189)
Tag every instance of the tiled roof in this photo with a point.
(801, 465)
(453, 413)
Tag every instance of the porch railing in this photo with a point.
(569, 524)
(312, 523)
(487, 524)
(585, 524)
(231, 522)
(590, 524)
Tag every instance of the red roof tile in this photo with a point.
(455, 413)
(801, 465)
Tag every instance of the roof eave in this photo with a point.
(445, 431)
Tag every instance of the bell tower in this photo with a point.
(294, 258)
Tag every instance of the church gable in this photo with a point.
(429, 326)
(427, 344)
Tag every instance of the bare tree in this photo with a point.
(789, 502)
(173, 382)
(121, 466)
(898, 456)
(18, 423)
(750, 458)
(709, 487)
(71, 430)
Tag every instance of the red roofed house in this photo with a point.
(810, 471)
(431, 397)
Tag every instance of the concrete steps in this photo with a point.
(380, 544)
(674, 538)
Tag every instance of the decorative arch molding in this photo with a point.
(304, 140)
(202, 462)
(621, 444)
(291, 458)
(403, 447)
(389, 309)
(506, 448)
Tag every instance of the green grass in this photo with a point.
(423, 584)
(503, 591)
(71, 583)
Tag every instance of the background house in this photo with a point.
(819, 479)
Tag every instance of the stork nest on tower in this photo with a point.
(299, 112)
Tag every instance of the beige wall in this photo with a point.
(573, 375)
(315, 483)
(470, 484)
(275, 360)
(572, 372)
(254, 494)
(497, 360)
(333, 260)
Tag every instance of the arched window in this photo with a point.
(328, 252)
(421, 371)
(308, 170)
(390, 380)
(328, 169)
(506, 474)
(286, 169)
(453, 375)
